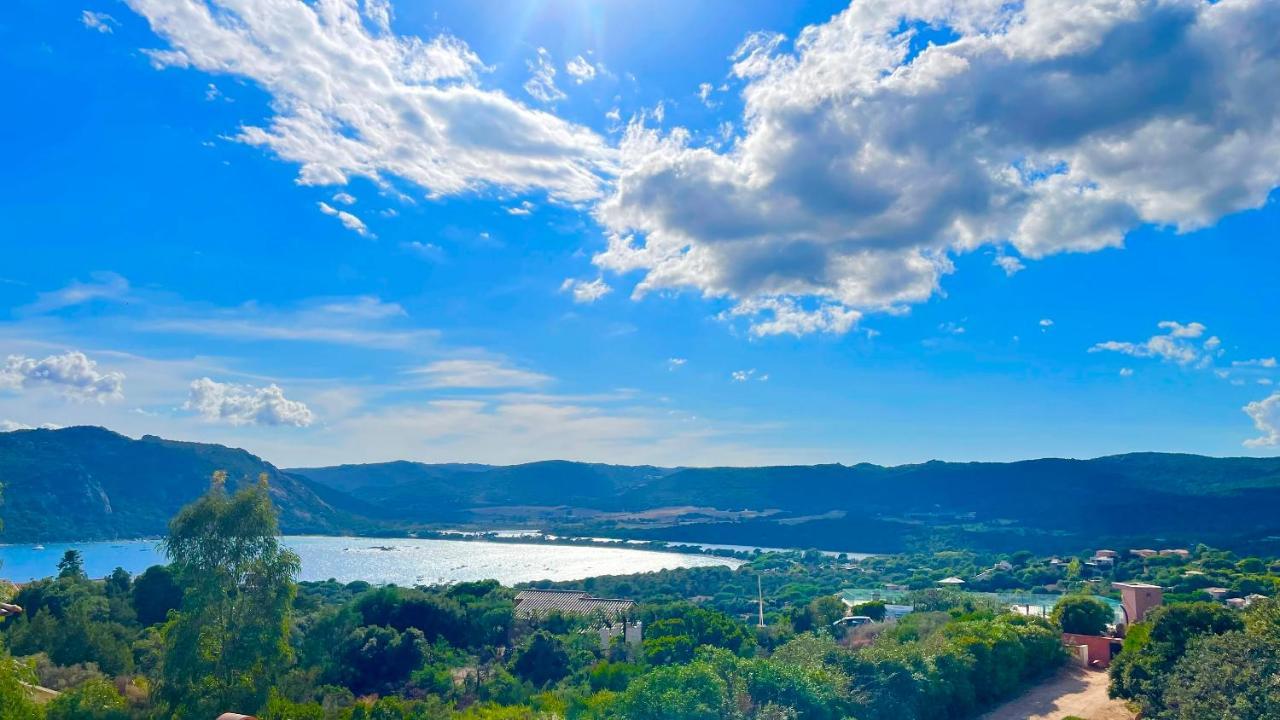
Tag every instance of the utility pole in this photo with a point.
(760, 594)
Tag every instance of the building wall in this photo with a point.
(1099, 648)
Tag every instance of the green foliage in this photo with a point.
(542, 659)
(227, 643)
(679, 692)
(154, 594)
(1141, 671)
(378, 658)
(1232, 675)
(94, 700)
(15, 703)
(71, 565)
(1082, 615)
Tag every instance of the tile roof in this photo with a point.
(570, 602)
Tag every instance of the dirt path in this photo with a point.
(1073, 692)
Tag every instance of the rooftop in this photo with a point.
(569, 602)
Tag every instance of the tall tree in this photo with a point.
(71, 565)
(228, 640)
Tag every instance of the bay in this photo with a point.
(403, 561)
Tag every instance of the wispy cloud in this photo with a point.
(99, 21)
(465, 373)
(349, 221)
(104, 286)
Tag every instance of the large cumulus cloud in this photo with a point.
(870, 158)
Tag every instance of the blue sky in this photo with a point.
(666, 232)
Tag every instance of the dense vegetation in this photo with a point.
(115, 487)
(225, 627)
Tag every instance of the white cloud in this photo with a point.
(1010, 264)
(72, 373)
(1046, 323)
(952, 328)
(1126, 372)
(704, 94)
(740, 376)
(478, 374)
(379, 13)
(524, 208)
(786, 316)
(11, 425)
(99, 21)
(614, 114)
(349, 221)
(344, 198)
(1176, 345)
(586, 291)
(1265, 414)
(863, 169)
(1268, 362)
(107, 286)
(351, 102)
(676, 362)
(541, 84)
(581, 69)
(426, 251)
(245, 404)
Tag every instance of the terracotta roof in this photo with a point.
(569, 602)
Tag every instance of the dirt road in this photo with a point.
(1073, 692)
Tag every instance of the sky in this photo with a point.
(644, 231)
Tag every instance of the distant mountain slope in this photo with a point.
(1140, 497)
(85, 483)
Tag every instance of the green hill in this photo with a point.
(87, 483)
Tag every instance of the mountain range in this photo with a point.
(90, 483)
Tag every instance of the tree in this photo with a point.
(1151, 649)
(71, 565)
(1232, 675)
(155, 593)
(542, 659)
(379, 659)
(1082, 615)
(15, 704)
(228, 640)
(677, 692)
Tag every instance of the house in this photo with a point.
(951, 582)
(1092, 651)
(1237, 603)
(539, 603)
(1138, 599)
(1176, 552)
(611, 612)
(894, 587)
(1106, 554)
(1144, 553)
(1192, 573)
(1217, 593)
(1004, 565)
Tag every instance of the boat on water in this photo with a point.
(38, 547)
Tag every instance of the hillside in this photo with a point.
(86, 483)
(90, 483)
(1141, 498)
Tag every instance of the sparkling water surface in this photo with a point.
(403, 561)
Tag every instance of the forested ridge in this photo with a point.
(89, 483)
